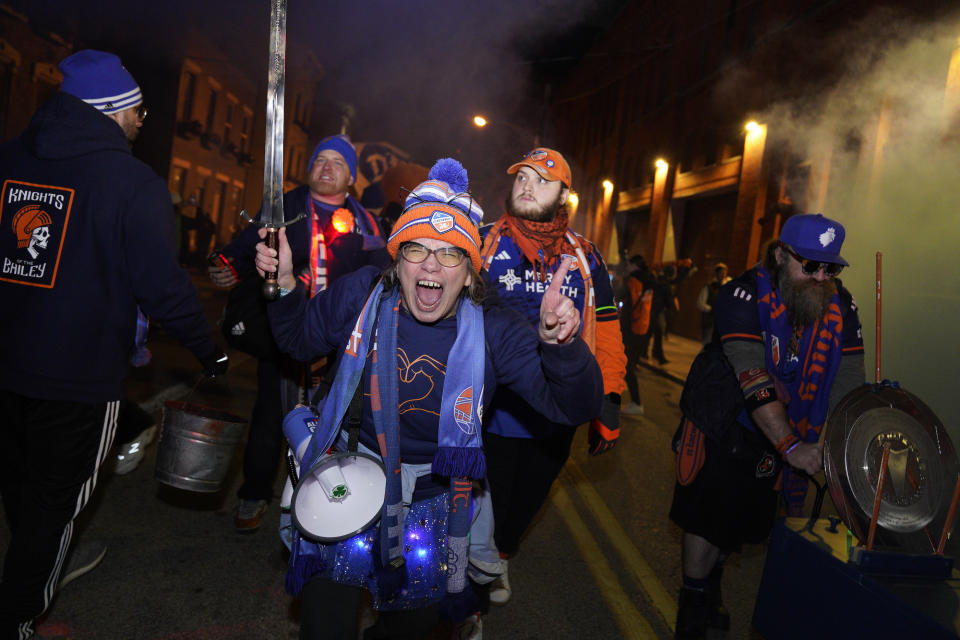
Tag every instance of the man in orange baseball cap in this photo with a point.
(521, 252)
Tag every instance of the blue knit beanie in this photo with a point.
(99, 79)
(342, 145)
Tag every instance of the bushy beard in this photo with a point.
(542, 214)
(807, 300)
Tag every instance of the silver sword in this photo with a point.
(271, 213)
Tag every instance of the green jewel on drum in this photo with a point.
(340, 492)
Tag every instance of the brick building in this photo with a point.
(658, 111)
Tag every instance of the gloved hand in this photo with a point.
(215, 364)
(605, 429)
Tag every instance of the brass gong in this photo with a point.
(921, 472)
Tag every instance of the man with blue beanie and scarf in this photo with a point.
(337, 236)
(428, 355)
(85, 240)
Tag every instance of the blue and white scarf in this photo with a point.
(459, 453)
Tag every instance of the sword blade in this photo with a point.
(271, 214)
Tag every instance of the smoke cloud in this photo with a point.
(889, 133)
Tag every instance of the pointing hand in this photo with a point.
(559, 318)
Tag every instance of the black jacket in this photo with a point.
(69, 295)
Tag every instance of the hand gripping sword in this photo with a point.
(271, 213)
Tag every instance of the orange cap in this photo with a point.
(548, 163)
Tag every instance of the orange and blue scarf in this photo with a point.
(459, 453)
(803, 375)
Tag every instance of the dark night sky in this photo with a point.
(415, 72)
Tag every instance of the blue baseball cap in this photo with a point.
(814, 237)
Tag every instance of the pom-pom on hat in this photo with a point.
(814, 237)
(441, 208)
(548, 163)
(342, 145)
(99, 79)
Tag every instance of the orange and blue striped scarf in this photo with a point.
(803, 379)
(459, 453)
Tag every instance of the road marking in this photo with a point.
(661, 599)
(631, 622)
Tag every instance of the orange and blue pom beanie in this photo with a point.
(441, 208)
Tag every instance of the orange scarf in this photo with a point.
(569, 244)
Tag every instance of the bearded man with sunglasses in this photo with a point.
(791, 334)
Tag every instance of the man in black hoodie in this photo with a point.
(85, 238)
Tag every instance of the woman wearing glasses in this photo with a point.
(428, 355)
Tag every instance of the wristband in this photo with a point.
(791, 448)
(787, 444)
(283, 291)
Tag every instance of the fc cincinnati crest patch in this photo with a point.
(463, 411)
(441, 221)
(537, 156)
(767, 466)
(33, 224)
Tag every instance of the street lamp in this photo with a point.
(480, 122)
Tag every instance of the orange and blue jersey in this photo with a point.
(520, 286)
(748, 310)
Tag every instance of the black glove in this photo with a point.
(605, 429)
(215, 364)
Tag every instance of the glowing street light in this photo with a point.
(573, 200)
(752, 126)
(660, 164)
(480, 121)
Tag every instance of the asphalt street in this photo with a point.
(602, 560)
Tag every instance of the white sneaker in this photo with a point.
(632, 409)
(469, 629)
(130, 454)
(500, 588)
(483, 572)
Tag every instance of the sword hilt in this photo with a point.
(270, 287)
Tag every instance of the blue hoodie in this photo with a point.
(85, 237)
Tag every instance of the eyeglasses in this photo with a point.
(142, 112)
(415, 253)
(811, 267)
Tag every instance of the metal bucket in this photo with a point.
(196, 446)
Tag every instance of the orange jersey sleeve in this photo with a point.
(611, 357)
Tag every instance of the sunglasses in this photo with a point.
(142, 112)
(811, 267)
(415, 253)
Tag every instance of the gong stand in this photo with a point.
(890, 467)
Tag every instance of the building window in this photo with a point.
(228, 124)
(178, 180)
(245, 133)
(189, 87)
(212, 109)
(221, 202)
